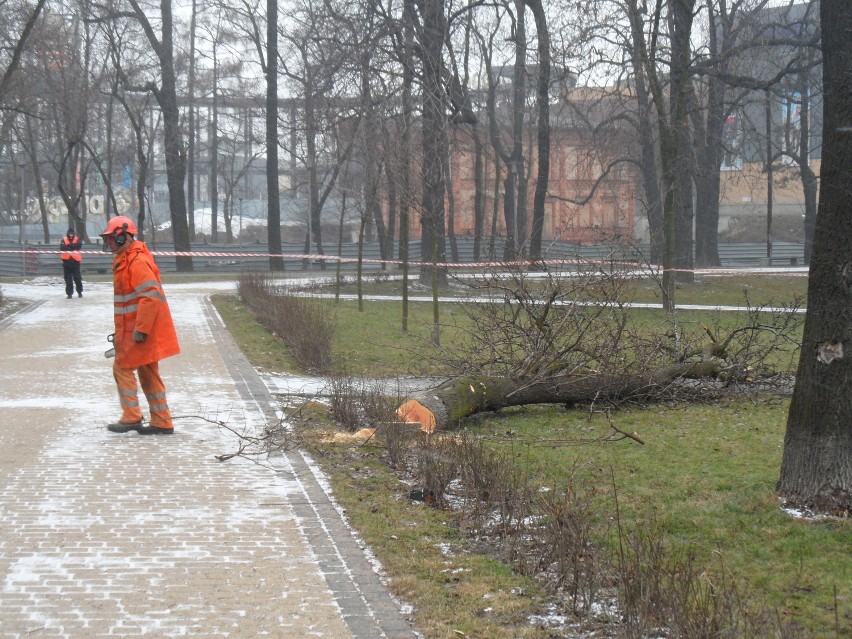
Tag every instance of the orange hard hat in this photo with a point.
(120, 224)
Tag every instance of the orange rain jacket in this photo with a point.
(140, 305)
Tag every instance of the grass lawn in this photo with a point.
(705, 476)
(730, 290)
(703, 481)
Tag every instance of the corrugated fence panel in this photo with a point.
(40, 259)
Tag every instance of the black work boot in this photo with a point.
(124, 427)
(154, 430)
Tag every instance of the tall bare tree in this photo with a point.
(322, 62)
(192, 121)
(542, 126)
(17, 43)
(68, 97)
(165, 92)
(137, 113)
(224, 70)
(407, 199)
(257, 23)
(816, 469)
(432, 39)
(667, 73)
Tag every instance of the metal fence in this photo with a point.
(34, 233)
(30, 259)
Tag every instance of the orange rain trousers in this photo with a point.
(152, 386)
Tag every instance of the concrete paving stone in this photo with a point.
(110, 535)
(384, 606)
(341, 583)
(363, 627)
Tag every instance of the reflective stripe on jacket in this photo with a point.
(70, 249)
(140, 305)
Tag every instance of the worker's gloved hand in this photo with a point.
(139, 337)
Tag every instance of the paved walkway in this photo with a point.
(125, 535)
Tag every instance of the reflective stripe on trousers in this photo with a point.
(152, 386)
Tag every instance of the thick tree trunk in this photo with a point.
(647, 140)
(433, 216)
(313, 227)
(191, 124)
(451, 215)
(214, 163)
(707, 189)
(816, 470)
(479, 191)
(708, 180)
(708, 126)
(653, 194)
(173, 141)
(276, 261)
(393, 207)
(685, 213)
(143, 158)
(461, 397)
(684, 164)
(406, 199)
(33, 152)
(518, 169)
(543, 128)
(175, 174)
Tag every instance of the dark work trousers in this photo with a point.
(73, 278)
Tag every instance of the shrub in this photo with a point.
(306, 327)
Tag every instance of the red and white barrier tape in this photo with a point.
(509, 264)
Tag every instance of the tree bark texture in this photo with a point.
(646, 139)
(684, 164)
(461, 397)
(518, 168)
(175, 152)
(707, 178)
(192, 123)
(313, 236)
(543, 127)
(433, 217)
(273, 224)
(479, 190)
(372, 155)
(816, 469)
(406, 199)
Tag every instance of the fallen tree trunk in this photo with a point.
(460, 397)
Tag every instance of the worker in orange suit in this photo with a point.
(144, 331)
(69, 251)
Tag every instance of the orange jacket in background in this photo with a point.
(69, 249)
(140, 305)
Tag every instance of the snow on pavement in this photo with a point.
(118, 535)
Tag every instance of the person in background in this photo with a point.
(144, 330)
(69, 250)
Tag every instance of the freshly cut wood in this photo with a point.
(414, 412)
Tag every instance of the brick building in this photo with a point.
(581, 206)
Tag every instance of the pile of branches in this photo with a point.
(578, 339)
